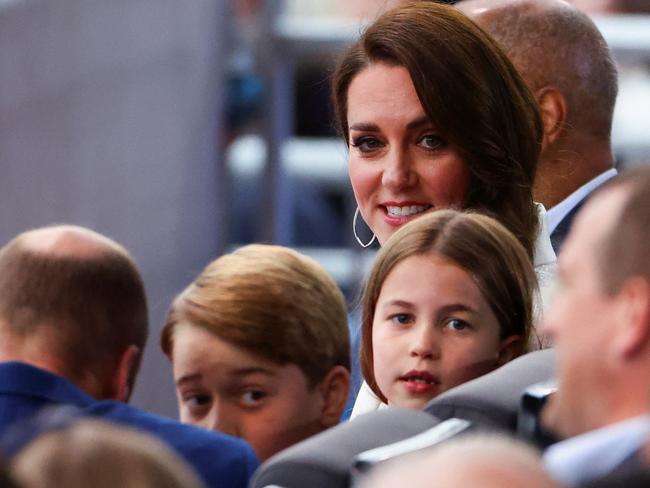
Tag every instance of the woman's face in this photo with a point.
(399, 166)
(432, 330)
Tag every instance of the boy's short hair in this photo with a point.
(273, 302)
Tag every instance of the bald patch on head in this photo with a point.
(553, 44)
(68, 241)
(485, 461)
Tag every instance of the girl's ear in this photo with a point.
(509, 349)
(334, 389)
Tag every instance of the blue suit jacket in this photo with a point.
(220, 460)
(561, 232)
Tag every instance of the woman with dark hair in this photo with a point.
(425, 87)
(435, 116)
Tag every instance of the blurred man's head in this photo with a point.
(484, 461)
(600, 319)
(566, 62)
(72, 302)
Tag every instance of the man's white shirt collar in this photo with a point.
(557, 212)
(544, 254)
(596, 453)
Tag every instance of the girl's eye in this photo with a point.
(401, 318)
(431, 142)
(456, 324)
(252, 398)
(366, 144)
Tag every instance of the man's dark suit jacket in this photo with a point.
(561, 232)
(220, 460)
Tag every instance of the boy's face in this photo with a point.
(225, 388)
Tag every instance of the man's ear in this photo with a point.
(553, 109)
(510, 348)
(633, 327)
(125, 373)
(334, 389)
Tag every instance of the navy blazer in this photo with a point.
(561, 232)
(220, 460)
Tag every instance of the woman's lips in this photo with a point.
(398, 213)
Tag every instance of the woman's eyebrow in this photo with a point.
(419, 122)
(365, 126)
(370, 127)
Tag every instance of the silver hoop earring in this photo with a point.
(354, 230)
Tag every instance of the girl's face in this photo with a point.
(432, 330)
(226, 388)
(399, 166)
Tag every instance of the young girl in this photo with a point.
(449, 298)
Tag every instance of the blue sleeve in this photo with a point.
(219, 459)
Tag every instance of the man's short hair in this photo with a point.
(625, 251)
(555, 44)
(94, 303)
(273, 302)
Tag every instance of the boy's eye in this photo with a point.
(197, 400)
(401, 318)
(366, 144)
(253, 398)
(456, 324)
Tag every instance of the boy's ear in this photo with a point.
(334, 389)
(510, 348)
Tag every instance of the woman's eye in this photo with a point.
(401, 318)
(253, 398)
(366, 144)
(456, 324)
(431, 141)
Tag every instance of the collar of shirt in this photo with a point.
(544, 254)
(557, 212)
(596, 453)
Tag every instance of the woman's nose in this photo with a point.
(398, 172)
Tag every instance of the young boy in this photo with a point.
(260, 349)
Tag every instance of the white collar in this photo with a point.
(544, 253)
(596, 453)
(557, 212)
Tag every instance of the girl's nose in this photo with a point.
(424, 343)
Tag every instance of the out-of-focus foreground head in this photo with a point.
(600, 319)
(98, 454)
(72, 302)
(567, 64)
(478, 461)
(613, 6)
